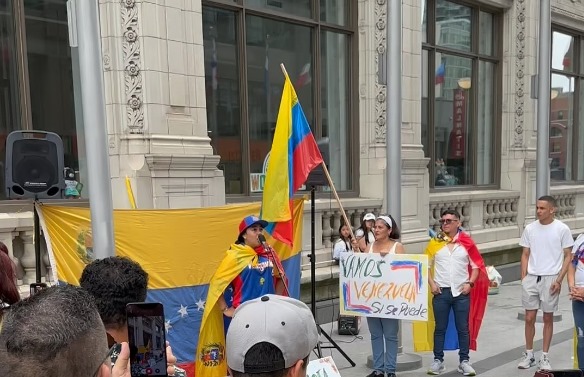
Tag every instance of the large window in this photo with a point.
(460, 64)
(567, 107)
(36, 76)
(245, 42)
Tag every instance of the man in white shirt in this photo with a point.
(547, 246)
(454, 275)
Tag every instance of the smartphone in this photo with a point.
(36, 288)
(147, 338)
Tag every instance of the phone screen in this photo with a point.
(37, 287)
(146, 335)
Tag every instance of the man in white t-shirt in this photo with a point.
(547, 247)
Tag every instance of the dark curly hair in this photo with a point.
(114, 282)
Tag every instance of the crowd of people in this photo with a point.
(83, 331)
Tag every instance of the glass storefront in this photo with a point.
(37, 75)
(460, 60)
(243, 51)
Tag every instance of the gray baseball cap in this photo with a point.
(282, 321)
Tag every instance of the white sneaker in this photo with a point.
(436, 368)
(466, 369)
(526, 361)
(544, 363)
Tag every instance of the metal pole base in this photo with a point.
(539, 317)
(405, 362)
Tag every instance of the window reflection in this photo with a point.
(561, 127)
(301, 8)
(8, 85)
(222, 94)
(486, 123)
(270, 43)
(453, 25)
(451, 121)
(563, 52)
(335, 105)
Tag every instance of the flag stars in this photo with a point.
(167, 326)
(200, 305)
(183, 311)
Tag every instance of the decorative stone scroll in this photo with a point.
(132, 73)
(520, 41)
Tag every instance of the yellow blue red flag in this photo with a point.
(179, 249)
(293, 156)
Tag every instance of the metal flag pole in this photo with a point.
(542, 172)
(86, 36)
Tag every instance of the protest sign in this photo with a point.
(390, 286)
(324, 367)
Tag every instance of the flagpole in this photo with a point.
(329, 179)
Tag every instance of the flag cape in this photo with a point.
(424, 331)
(294, 154)
(179, 249)
(210, 357)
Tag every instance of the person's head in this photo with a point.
(546, 208)
(271, 336)
(386, 228)
(115, 282)
(8, 291)
(368, 222)
(56, 332)
(249, 230)
(344, 232)
(450, 221)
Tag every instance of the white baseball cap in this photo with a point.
(282, 321)
(369, 216)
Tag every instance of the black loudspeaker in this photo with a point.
(317, 176)
(34, 165)
(348, 325)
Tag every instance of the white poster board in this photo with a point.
(324, 367)
(390, 286)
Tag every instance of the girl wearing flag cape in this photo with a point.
(459, 283)
(249, 270)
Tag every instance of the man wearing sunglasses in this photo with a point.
(459, 283)
(43, 335)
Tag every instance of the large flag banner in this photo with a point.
(390, 286)
(179, 249)
(293, 156)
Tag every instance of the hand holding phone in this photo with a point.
(147, 339)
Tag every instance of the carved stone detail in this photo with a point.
(520, 42)
(132, 72)
(380, 46)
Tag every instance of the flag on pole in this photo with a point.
(440, 74)
(293, 155)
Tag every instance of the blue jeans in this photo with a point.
(578, 311)
(384, 343)
(460, 305)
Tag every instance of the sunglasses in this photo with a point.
(108, 356)
(446, 221)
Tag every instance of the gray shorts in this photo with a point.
(535, 293)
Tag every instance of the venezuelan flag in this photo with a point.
(293, 155)
(180, 250)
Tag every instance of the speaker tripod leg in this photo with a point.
(335, 345)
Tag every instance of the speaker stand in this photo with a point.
(37, 241)
(312, 257)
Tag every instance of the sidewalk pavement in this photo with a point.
(500, 344)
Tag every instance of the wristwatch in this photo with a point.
(470, 283)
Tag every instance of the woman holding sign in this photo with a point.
(384, 330)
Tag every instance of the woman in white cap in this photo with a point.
(384, 330)
(364, 234)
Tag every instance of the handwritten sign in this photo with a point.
(324, 367)
(391, 286)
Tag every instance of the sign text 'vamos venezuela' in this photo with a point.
(390, 286)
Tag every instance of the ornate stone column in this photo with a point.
(28, 259)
